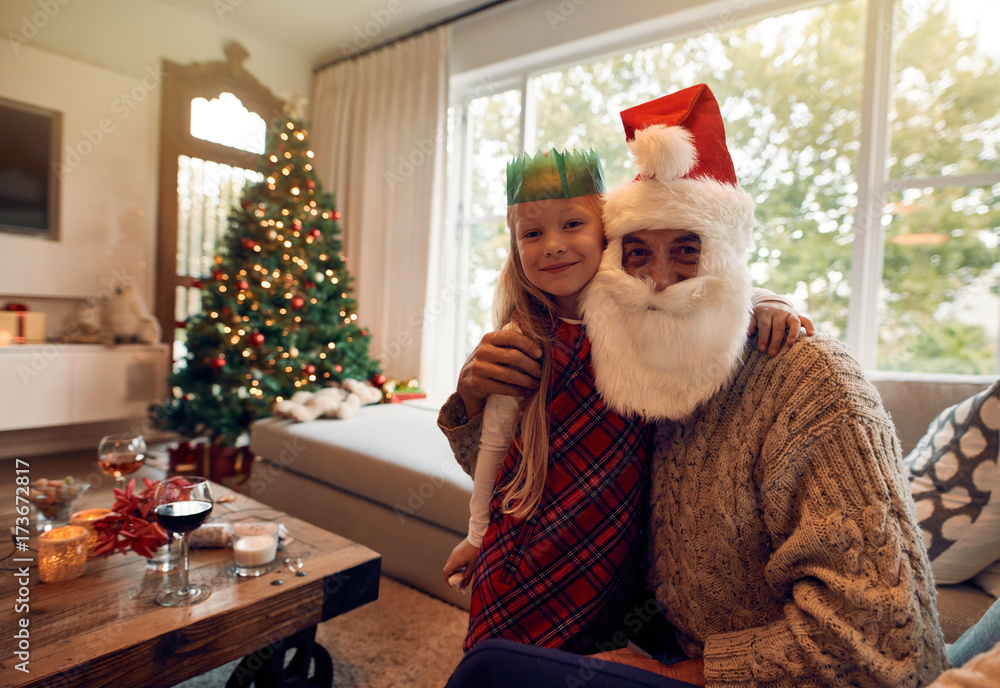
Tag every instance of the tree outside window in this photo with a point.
(791, 89)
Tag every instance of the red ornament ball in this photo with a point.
(298, 302)
(339, 368)
(315, 233)
(197, 284)
(378, 380)
(310, 184)
(296, 225)
(242, 284)
(218, 362)
(309, 369)
(248, 244)
(336, 214)
(255, 338)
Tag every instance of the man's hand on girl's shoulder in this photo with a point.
(505, 362)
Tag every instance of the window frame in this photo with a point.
(182, 84)
(872, 172)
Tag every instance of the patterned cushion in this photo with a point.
(956, 486)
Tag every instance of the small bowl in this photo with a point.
(53, 500)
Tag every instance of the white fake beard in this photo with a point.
(660, 355)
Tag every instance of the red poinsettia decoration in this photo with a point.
(130, 525)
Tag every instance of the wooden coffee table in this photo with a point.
(105, 628)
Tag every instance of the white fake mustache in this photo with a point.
(634, 295)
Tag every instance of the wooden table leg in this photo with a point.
(266, 667)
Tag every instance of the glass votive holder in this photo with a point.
(85, 519)
(62, 553)
(255, 545)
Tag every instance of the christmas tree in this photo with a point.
(277, 316)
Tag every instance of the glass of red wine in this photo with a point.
(119, 455)
(180, 505)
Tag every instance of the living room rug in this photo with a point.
(404, 639)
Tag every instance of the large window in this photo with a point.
(866, 131)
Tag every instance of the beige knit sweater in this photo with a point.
(782, 543)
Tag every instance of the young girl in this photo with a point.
(553, 534)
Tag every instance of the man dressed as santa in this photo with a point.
(781, 544)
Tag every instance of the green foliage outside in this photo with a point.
(790, 89)
(277, 316)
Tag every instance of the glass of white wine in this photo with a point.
(119, 455)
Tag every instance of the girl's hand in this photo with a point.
(772, 319)
(461, 561)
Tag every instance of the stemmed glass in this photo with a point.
(119, 455)
(180, 505)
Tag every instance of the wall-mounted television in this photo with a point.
(30, 144)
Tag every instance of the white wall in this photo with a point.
(97, 62)
(108, 185)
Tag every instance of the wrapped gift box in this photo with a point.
(400, 397)
(22, 327)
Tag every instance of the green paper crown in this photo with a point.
(551, 174)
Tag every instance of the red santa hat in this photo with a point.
(686, 179)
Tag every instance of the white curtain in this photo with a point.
(379, 132)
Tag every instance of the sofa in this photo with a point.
(386, 478)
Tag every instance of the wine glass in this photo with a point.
(119, 455)
(180, 505)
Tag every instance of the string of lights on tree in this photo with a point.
(277, 313)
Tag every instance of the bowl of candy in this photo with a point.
(53, 500)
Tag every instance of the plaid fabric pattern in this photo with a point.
(562, 577)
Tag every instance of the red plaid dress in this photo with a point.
(564, 576)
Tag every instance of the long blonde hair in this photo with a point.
(535, 313)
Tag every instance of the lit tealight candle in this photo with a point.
(254, 547)
(255, 550)
(62, 554)
(85, 519)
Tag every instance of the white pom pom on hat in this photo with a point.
(664, 153)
